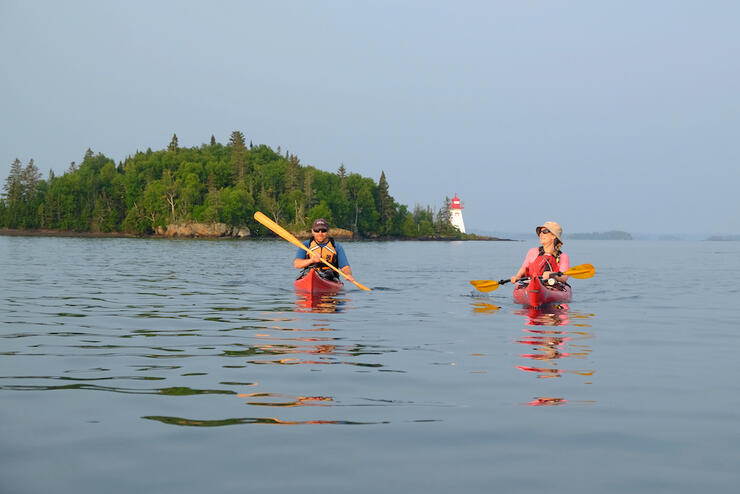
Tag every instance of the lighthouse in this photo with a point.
(456, 219)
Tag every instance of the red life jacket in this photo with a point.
(543, 262)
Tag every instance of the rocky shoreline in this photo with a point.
(209, 231)
(202, 230)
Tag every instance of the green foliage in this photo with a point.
(321, 210)
(209, 183)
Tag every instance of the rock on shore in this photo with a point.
(206, 230)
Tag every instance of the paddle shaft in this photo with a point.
(580, 271)
(293, 240)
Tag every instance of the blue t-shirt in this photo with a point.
(341, 256)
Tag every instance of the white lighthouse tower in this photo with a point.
(456, 219)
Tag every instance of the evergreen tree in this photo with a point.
(342, 172)
(385, 201)
(213, 140)
(291, 172)
(173, 143)
(443, 224)
(238, 160)
(30, 180)
(13, 184)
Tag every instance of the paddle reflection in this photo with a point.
(281, 400)
(249, 420)
(484, 307)
(319, 302)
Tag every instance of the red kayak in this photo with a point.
(313, 283)
(533, 293)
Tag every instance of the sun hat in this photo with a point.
(555, 228)
(320, 223)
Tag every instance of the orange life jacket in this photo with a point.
(328, 253)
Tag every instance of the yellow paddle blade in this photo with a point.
(582, 271)
(485, 285)
(259, 216)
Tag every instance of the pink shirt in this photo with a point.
(563, 264)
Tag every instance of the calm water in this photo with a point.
(131, 365)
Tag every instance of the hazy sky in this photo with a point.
(600, 115)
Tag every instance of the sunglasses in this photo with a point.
(544, 230)
(320, 230)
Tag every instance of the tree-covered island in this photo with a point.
(152, 191)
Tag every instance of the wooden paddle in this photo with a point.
(582, 271)
(290, 238)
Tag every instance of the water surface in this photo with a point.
(132, 365)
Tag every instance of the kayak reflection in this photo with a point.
(546, 315)
(548, 346)
(319, 302)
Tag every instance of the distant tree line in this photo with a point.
(210, 183)
(610, 235)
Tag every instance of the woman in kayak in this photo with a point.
(322, 246)
(546, 259)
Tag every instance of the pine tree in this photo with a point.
(385, 201)
(213, 140)
(444, 218)
(30, 179)
(16, 192)
(14, 183)
(291, 173)
(173, 143)
(238, 155)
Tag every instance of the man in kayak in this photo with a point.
(322, 246)
(548, 258)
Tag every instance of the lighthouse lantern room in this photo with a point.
(456, 218)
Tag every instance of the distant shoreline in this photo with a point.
(15, 232)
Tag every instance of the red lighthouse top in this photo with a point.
(456, 204)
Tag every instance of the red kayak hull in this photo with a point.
(313, 283)
(535, 293)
